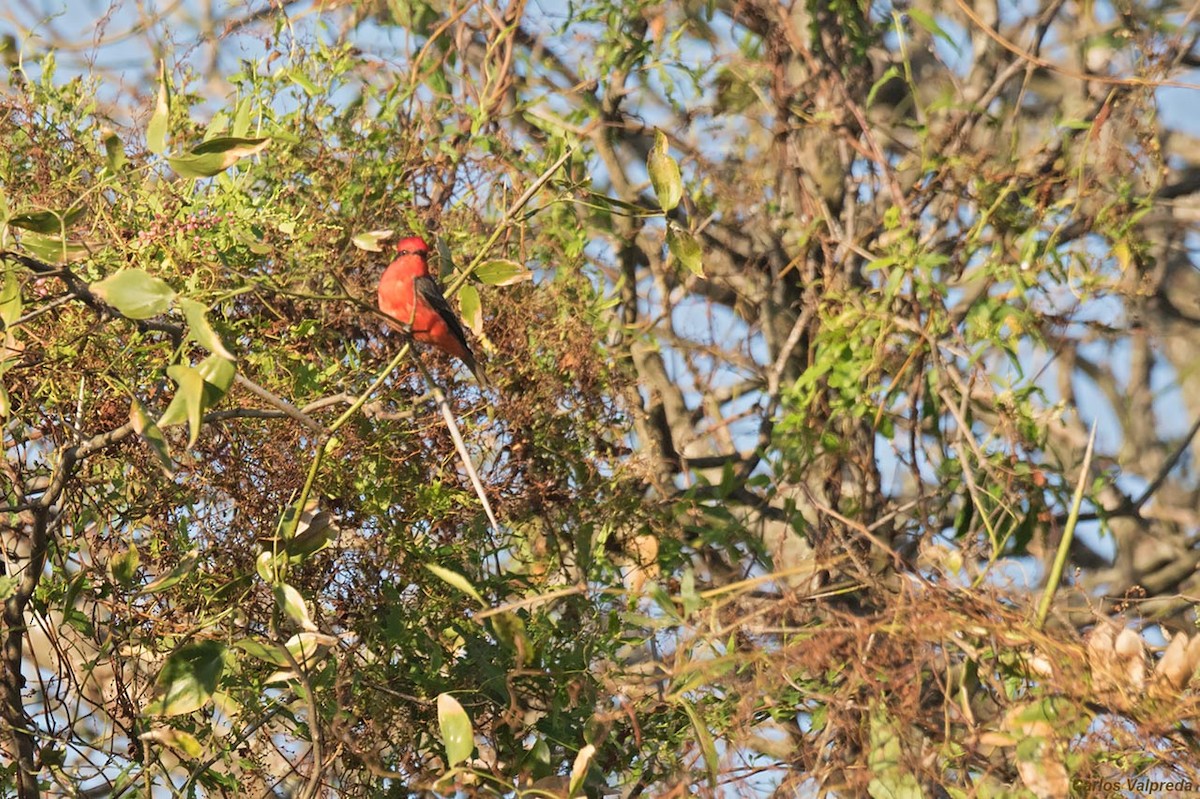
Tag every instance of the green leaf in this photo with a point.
(291, 602)
(370, 241)
(10, 300)
(307, 648)
(54, 249)
(135, 293)
(579, 769)
(124, 565)
(241, 118)
(511, 632)
(300, 79)
(927, 21)
(48, 222)
(156, 131)
(888, 74)
(188, 679)
(457, 735)
(891, 780)
(268, 653)
(317, 530)
(188, 402)
(216, 155)
(200, 330)
(114, 152)
(145, 427)
(200, 388)
(664, 173)
(502, 272)
(685, 248)
(704, 738)
(455, 580)
(185, 567)
(180, 740)
(471, 308)
(267, 564)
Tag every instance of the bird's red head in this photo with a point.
(413, 245)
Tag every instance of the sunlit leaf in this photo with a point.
(188, 402)
(199, 388)
(664, 173)
(179, 740)
(135, 293)
(200, 330)
(579, 769)
(188, 678)
(685, 248)
(156, 131)
(54, 249)
(292, 603)
(145, 427)
(47, 222)
(455, 580)
(705, 740)
(371, 240)
(10, 300)
(455, 724)
(124, 565)
(502, 272)
(268, 653)
(114, 152)
(185, 567)
(471, 308)
(216, 155)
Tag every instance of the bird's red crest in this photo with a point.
(413, 245)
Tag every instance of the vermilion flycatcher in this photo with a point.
(412, 297)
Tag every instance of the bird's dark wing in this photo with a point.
(427, 289)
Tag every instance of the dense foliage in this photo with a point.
(800, 316)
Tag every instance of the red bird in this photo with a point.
(413, 298)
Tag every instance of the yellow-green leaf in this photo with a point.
(10, 299)
(471, 308)
(181, 570)
(188, 402)
(48, 222)
(200, 388)
(201, 330)
(704, 738)
(216, 155)
(269, 653)
(54, 249)
(455, 580)
(685, 248)
(156, 131)
(188, 678)
(124, 565)
(502, 272)
(135, 293)
(370, 241)
(114, 152)
(580, 769)
(291, 602)
(664, 173)
(145, 427)
(182, 741)
(457, 735)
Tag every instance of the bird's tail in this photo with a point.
(477, 370)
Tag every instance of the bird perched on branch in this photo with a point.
(411, 296)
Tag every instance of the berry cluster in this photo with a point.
(192, 226)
